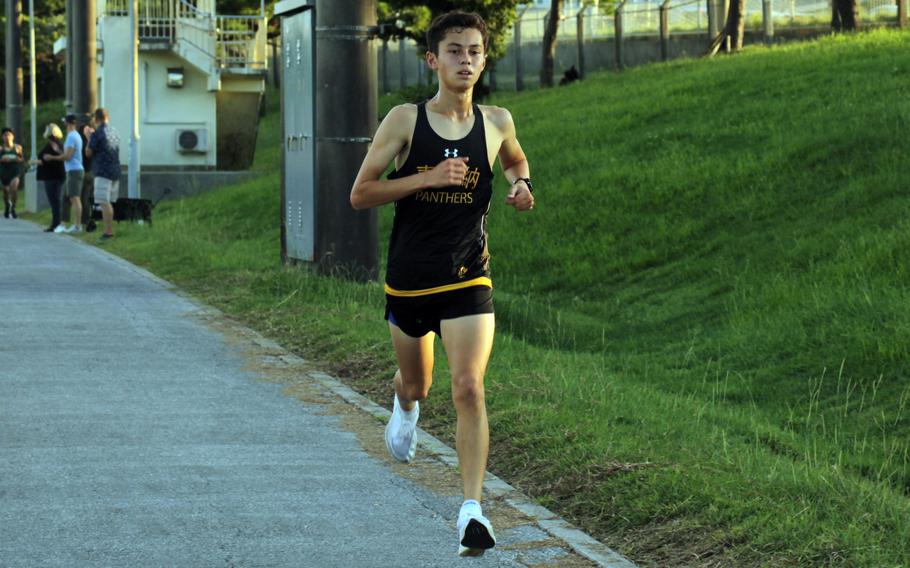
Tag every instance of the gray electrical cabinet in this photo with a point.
(322, 153)
(298, 107)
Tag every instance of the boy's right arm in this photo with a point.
(369, 191)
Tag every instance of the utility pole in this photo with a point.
(14, 66)
(30, 182)
(69, 54)
(133, 174)
(84, 55)
(347, 241)
(32, 80)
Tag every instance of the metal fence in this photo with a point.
(643, 17)
(587, 38)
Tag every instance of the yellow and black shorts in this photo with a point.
(417, 316)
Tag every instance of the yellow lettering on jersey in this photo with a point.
(471, 178)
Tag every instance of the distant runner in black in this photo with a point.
(438, 275)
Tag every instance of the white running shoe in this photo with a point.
(475, 533)
(401, 432)
(74, 229)
(61, 228)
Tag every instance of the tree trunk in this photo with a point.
(734, 30)
(844, 15)
(736, 24)
(549, 44)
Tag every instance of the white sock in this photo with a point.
(409, 415)
(470, 506)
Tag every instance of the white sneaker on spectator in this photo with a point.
(74, 229)
(61, 228)
(475, 533)
(401, 432)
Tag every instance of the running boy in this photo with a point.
(438, 277)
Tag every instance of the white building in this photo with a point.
(201, 79)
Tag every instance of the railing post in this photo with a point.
(902, 13)
(618, 33)
(768, 21)
(665, 30)
(580, 38)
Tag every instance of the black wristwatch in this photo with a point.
(527, 181)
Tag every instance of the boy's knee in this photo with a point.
(468, 390)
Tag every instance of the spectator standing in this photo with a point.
(88, 184)
(104, 150)
(51, 171)
(10, 170)
(75, 173)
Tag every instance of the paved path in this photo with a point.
(133, 432)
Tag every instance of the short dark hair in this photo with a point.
(101, 114)
(456, 19)
(7, 129)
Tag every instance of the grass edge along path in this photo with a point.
(667, 476)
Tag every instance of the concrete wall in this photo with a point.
(162, 110)
(154, 185)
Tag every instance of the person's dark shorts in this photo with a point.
(6, 178)
(420, 315)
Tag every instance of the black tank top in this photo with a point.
(439, 236)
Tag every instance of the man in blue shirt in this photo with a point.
(72, 163)
(104, 149)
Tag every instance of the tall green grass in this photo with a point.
(703, 326)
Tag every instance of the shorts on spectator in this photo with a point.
(73, 183)
(106, 190)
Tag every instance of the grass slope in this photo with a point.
(702, 355)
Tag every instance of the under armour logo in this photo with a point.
(451, 153)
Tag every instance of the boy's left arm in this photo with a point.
(514, 165)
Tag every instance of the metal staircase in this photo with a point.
(215, 44)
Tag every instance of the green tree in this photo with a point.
(417, 14)
(50, 25)
(236, 7)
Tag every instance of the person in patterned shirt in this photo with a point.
(104, 149)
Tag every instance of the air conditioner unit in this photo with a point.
(192, 141)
